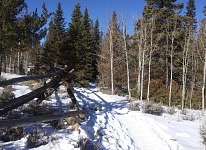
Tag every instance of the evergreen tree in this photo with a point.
(10, 12)
(96, 48)
(75, 43)
(204, 11)
(191, 14)
(55, 40)
(59, 23)
(166, 15)
(74, 35)
(85, 60)
(48, 56)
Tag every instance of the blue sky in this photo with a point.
(102, 9)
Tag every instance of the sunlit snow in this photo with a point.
(115, 127)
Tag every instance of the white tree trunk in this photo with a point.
(139, 70)
(150, 60)
(171, 71)
(26, 62)
(144, 36)
(184, 68)
(127, 60)
(111, 62)
(194, 65)
(18, 55)
(203, 83)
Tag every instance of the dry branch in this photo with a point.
(28, 121)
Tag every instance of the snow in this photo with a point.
(111, 125)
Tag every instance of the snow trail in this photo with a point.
(114, 135)
(122, 129)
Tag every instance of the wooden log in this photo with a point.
(34, 94)
(27, 78)
(25, 98)
(47, 93)
(36, 77)
(4, 124)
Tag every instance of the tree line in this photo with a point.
(164, 60)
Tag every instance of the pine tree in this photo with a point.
(191, 14)
(59, 23)
(10, 12)
(204, 11)
(75, 42)
(164, 13)
(48, 56)
(55, 40)
(85, 60)
(96, 48)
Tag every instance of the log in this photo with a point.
(34, 94)
(47, 94)
(5, 124)
(27, 78)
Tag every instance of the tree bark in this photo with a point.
(0, 64)
(184, 68)
(127, 59)
(144, 36)
(111, 61)
(171, 72)
(150, 60)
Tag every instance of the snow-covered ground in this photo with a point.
(111, 125)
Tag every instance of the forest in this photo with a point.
(163, 60)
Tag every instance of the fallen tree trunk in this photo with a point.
(35, 94)
(4, 124)
(47, 93)
(27, 78)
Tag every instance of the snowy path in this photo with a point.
(127, 130)
(111, 125)
(114, 135)
(150, 132)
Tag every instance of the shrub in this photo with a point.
(190, 117)
(2, 78)
(203, 131)
(12, 134)
(71, 120)
(184, 112)
(171, 110)
(58, 124)
(36, 138)
(6, 94)
(152, 108)
(37, 110)
(186, 115)
(34, 85)
(86, 144)
(133, 106)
